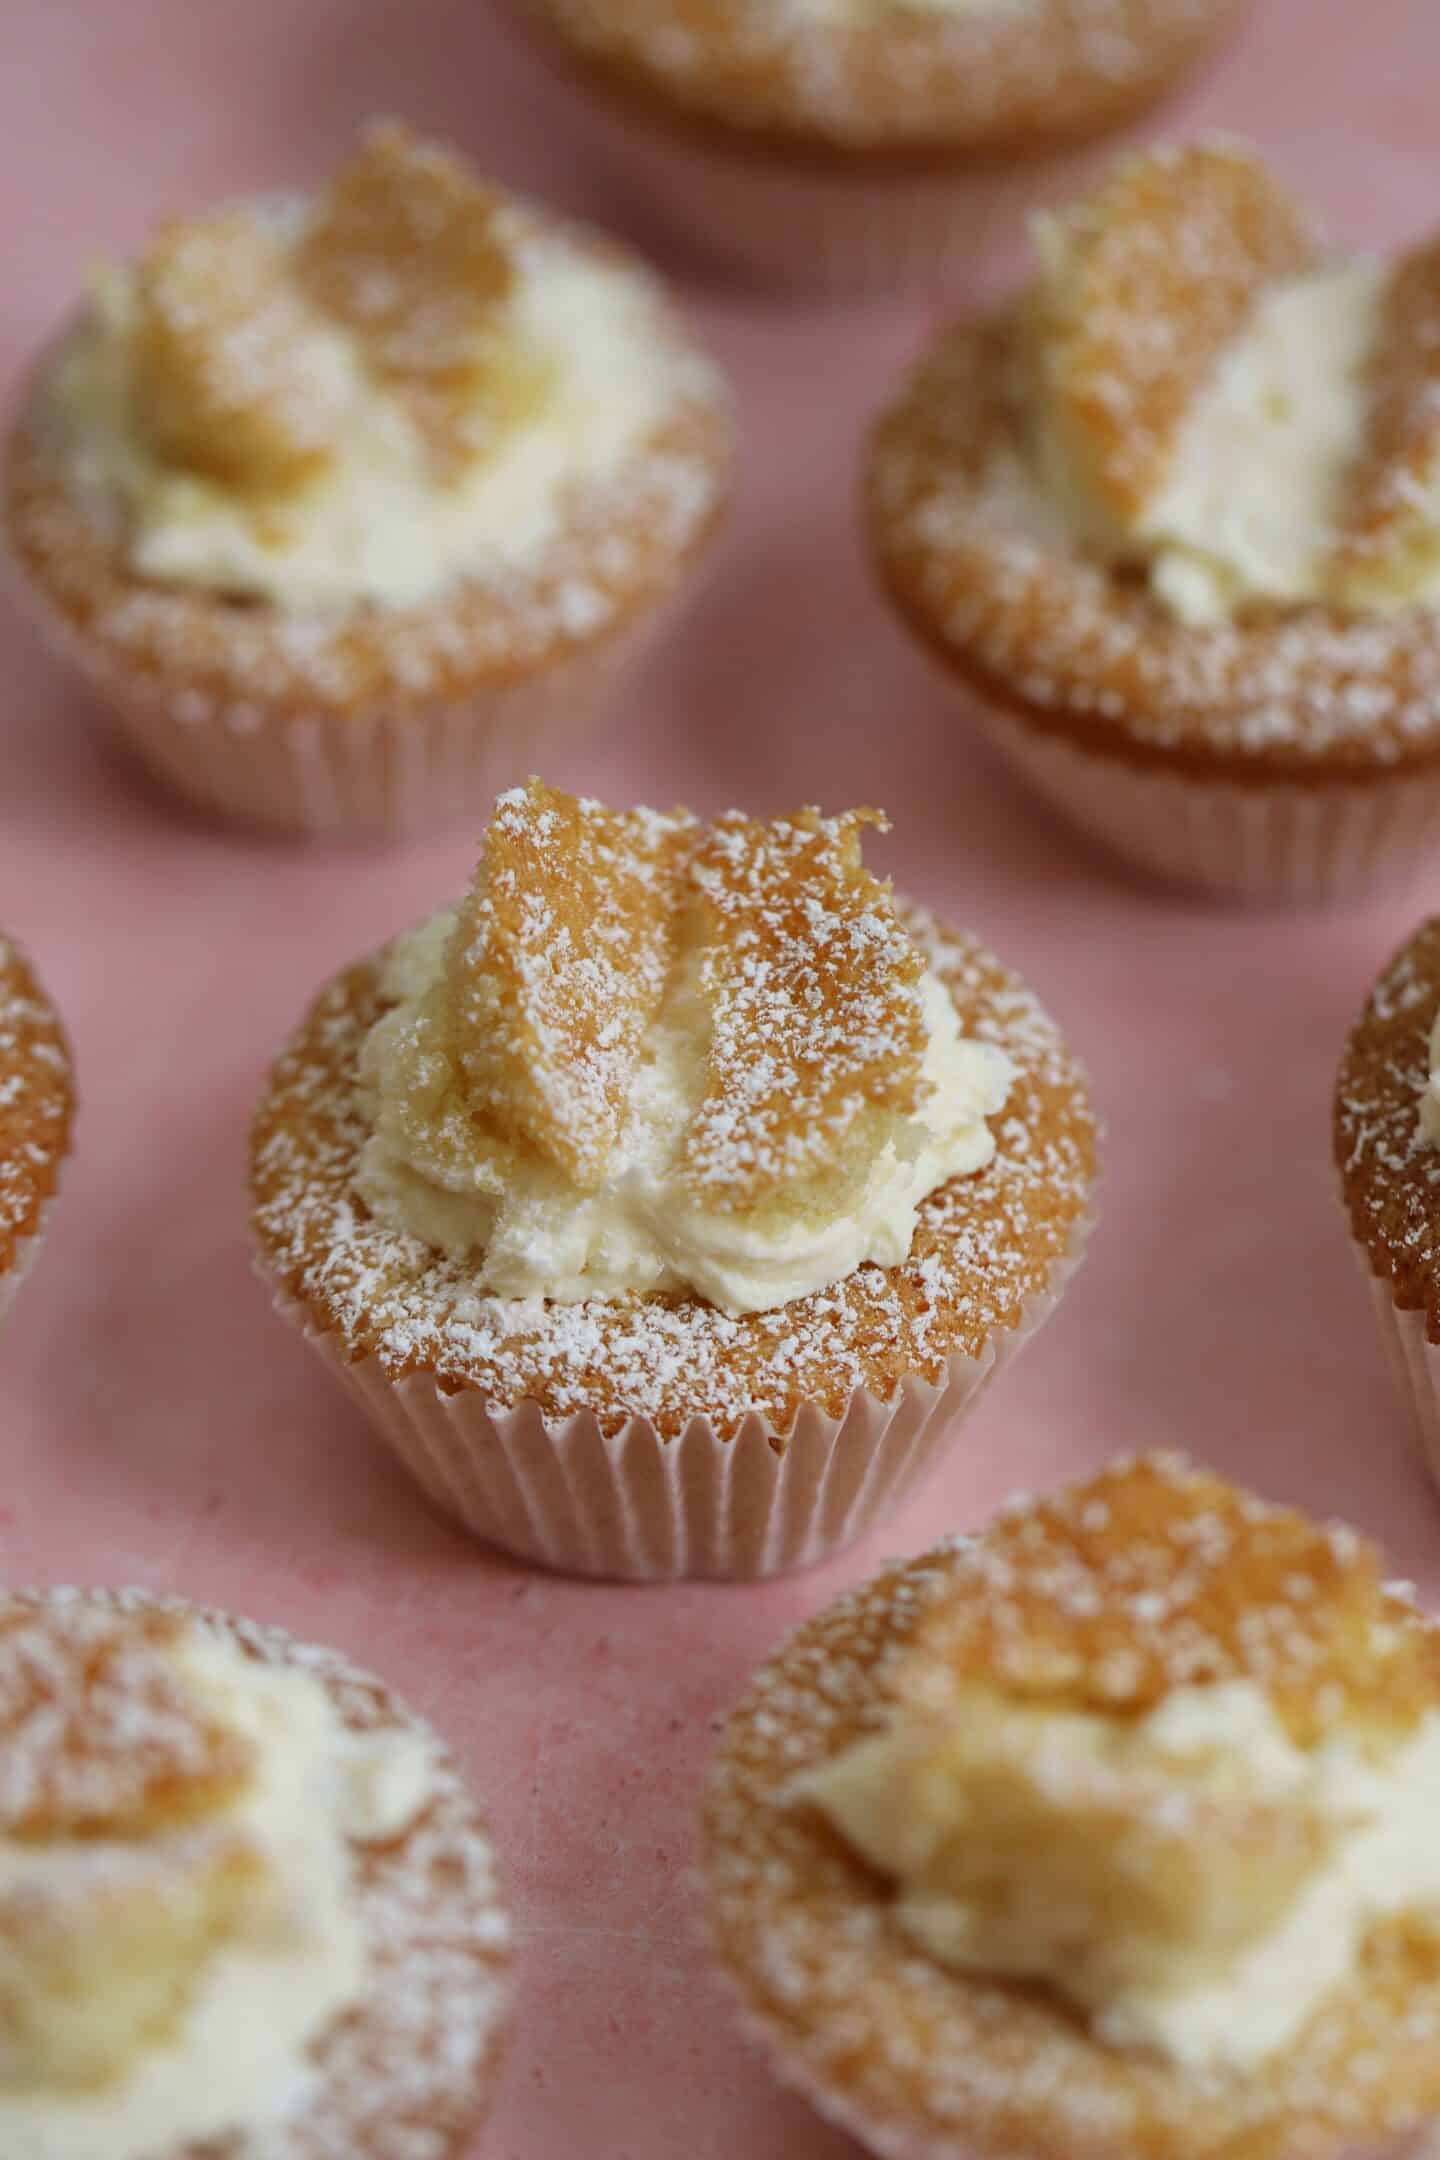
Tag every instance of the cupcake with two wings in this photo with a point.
(1173, 520)
(668, 1200)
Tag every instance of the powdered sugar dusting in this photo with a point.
(35, 1102)
(404, 2075)
(1389, 1173)
(97, 1726)
(975, 556)
(811, 982)
(560, 956)
(619, 544)
(884, 74)
(984, 1244)
(920, 2059)
(1155, 1576)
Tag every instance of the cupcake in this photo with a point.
(342, 505)
(248, 1907)
(37, 1102)
(1387, 1153)
(1169, 518)
(1105, 1835)
(667, 1202)
(863, 145)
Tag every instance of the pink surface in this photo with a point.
(157, 1424)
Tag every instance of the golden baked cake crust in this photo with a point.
(1162, 267)
(410, 2067)
(568, 936)
(98, 1729)
(809, 979)
(985, 1244)
(919, 2059)
(972, 558)
(36, 1103)
(1389, 1175)
(915, 86)
(621, 547)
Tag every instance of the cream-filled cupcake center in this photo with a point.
(746, 1097)
(1214, 405)
(1193, 1880)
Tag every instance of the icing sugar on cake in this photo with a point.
(36, 1102)
(404, 2074)
(982, 556)
(1389, 1173)
(877, 77)
(811, 979)
(984, 1244)
(1151, 1569)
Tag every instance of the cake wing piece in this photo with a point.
(1156, 1576)
(559, 961)
(228, 384)
(810, 980)
(1390, 538)
(99, 1731)
(1143, 288)
(404, 253)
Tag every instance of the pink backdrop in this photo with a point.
(157, 1426)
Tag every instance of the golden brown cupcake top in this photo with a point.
(887, 77)
(216, 1891)
(1177, 501)
(99, 1732)
(1103, 1832)
(36, 1103)
(1111, 1594)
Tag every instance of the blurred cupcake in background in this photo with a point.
(37, 1105)
(1387, 1153)
(863, 145)
(345, 506)
(249, 1906)
(1172, 520)
(1104, 1834)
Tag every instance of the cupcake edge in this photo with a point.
(636, 1506)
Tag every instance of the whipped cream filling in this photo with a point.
(238, 2059)
(530, 1233)
(375, 524)
(898, 1801)
(1251, 507)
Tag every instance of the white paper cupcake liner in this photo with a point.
(381, 774)
(1275, 840)
(635, 1507)
(1412, 1357)
(828, 228)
